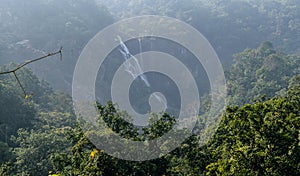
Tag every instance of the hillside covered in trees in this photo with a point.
(257, 43)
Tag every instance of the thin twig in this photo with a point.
(26, 63)
(20, 84)
(34, 60)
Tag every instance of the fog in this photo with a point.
(29, 29)
(228, 104)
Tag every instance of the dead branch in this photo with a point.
(26, 63)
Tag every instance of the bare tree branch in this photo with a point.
(33, 60)
(26, 63)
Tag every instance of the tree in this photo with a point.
(260, 72)
(35, 149)
(258, 139)
(86, 159)
(32, 129)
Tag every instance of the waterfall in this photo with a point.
(135, 70)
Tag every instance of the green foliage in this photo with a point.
(116, 121)
(18, 112)
(15, 111)
(259, 139)
(87, 160)
(29, 29)
(231, 26)
(38, 125)
(5, 169)
(258, 73)
(35, 149)
(5, 152)
(189, 158)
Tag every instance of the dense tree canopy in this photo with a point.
(32, 129)
(260, 72)
(258, 132)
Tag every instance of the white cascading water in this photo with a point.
(135, 70)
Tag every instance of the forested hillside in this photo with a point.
(40, 134)
(256, 41)
(35, 27)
